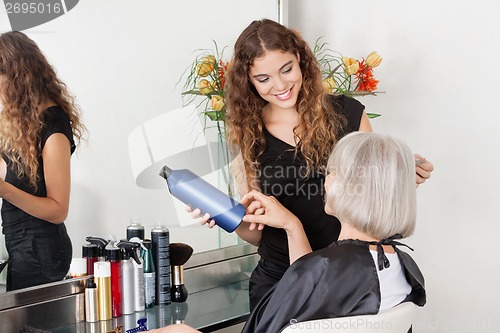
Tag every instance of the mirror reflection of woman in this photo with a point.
(39, 123)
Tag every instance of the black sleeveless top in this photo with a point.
(282, 177)
(13, 218)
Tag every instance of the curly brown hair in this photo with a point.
(319, 126)
(27, 83)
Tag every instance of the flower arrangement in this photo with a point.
(347, 76)
(207, 78)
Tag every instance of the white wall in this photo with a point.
(440, 76)
(122, 60)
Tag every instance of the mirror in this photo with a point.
(122, 60)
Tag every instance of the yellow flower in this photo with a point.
(204, 87)
(209, 59)
(329, 85)
(217, 103)
(351, 65)
(206, 65)
(373, 59)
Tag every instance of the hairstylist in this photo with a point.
(285, 126)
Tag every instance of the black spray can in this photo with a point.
(135, 229)
(161, 257)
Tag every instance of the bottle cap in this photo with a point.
(159, 228)
(90, 251)
(125, 253)
(165, 172)
(100, 242)
(131, 249)
(78, 267)
(90, 283)
(113, 252)
(102, 269)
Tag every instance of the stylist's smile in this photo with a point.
(284, 96)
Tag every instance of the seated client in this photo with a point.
(370, 187)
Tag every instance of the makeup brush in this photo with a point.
(179, 254)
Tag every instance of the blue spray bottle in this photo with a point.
(197, 193)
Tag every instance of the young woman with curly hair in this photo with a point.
(39, 123)
(285, 125)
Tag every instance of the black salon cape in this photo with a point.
(337, 281)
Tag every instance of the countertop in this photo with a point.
(206, 310)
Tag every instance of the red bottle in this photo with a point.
(113, 255)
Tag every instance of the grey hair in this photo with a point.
(374, 186)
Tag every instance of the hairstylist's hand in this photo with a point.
(254, 207)
(424, 169)
(272, 212)
(205, 219)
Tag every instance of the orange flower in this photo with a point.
(223, 67)
(365, 78)
(368, 84)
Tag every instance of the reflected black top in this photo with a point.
(13, 218)
(281, 177)
(338, 281)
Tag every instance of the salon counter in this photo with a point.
(206, 310)
(217, 282)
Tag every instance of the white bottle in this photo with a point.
(128, 297)
(91, 304)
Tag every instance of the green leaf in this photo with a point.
(213, 115)
(192, 92)
(373, 115)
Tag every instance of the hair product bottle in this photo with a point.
(127, 281)
(197, 193)
(149, 275)
(113, 255)
(138, 275)
(91, 306)
(102, 275)
(161, 258)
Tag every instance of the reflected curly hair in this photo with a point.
(27, 82)
(319, 126)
